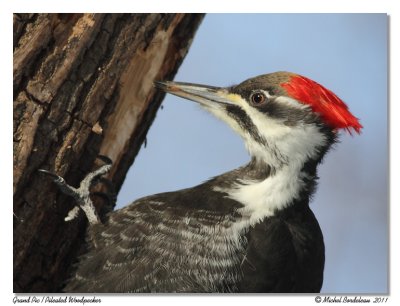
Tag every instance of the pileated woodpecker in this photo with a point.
(247, 230)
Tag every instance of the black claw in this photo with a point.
(105, 159)
(55, 176)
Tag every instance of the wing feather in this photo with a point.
(152, 246)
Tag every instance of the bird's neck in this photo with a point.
(263, 190)
(282, 171)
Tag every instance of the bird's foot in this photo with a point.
(82, 194)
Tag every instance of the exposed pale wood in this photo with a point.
(82, 86)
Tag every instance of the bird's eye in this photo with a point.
(257, 98)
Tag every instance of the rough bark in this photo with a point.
(83, 86)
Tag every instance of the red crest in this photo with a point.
(322, 101)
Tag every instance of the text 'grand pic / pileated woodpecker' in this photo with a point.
(247, 230)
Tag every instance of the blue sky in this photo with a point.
(347, 53)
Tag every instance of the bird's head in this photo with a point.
(283, 117)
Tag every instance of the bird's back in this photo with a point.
(156, 246)
(153, 246)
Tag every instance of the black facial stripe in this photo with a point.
(240, 116)
(291, 115)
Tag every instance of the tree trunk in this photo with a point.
(83, 86)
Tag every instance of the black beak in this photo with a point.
(203, 94)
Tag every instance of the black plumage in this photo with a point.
(177, 242)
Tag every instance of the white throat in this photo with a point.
(262, 198)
